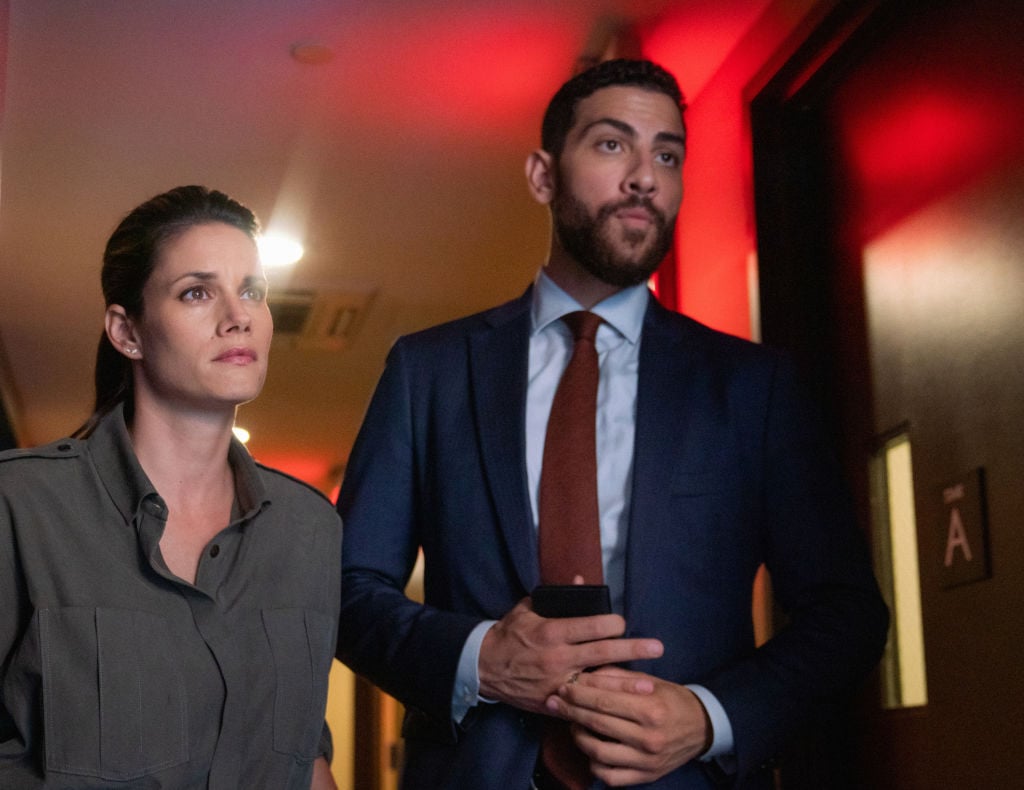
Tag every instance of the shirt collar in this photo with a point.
(623, 310)
(250, 493)
(113, 455)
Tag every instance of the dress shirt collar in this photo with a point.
(113, 455)
(623, 311)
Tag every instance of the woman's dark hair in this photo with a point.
(131, 255)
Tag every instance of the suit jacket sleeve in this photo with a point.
(821, 577)
(408, 649)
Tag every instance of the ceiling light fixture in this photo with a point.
(277, 250)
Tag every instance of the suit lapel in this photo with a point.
(665, 396)
(498, 372)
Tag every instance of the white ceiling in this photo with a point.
(399, 162)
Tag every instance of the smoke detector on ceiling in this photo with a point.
(322, 320)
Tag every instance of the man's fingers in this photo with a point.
(618, 672)
(598, 696)
(597, 640)
(581, 702)
(613, 678)
(587, 629)
(616, 651)
(632, 727)
(606, 749)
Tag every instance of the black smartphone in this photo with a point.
(571, 600)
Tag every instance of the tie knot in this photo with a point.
(583, 324)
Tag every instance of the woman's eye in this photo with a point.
(255, 293)
(195, 293)
(611, 145)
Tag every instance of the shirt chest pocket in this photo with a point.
(114, 702)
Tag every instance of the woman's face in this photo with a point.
(204, 334)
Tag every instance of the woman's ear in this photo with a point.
(540, 176)
(121, 332)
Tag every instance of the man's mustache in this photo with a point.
(634, 201)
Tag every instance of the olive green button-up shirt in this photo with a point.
(115, 672)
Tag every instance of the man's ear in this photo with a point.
(121, 332)
(540, 176)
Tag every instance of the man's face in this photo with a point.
(618, 184)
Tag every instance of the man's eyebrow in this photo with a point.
(671, 137)
(622, 126)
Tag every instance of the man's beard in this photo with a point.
(582, 237)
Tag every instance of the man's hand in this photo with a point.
(525, 658)
(635, 728)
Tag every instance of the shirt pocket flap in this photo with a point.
(114, 702)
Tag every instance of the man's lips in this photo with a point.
(237, 356)
(635, 216)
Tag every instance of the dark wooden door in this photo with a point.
(889, 169)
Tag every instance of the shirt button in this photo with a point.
(214, 550)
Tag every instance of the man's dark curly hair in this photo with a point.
(561, 111)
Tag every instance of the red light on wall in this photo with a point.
(692, 39)
(482, 73)
(935, 108)
(921, 143)
(309, 470)
(921, 135)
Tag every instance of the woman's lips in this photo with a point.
(237, 356)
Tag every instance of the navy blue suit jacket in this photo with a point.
(730, 471)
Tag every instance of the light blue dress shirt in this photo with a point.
(618, 352)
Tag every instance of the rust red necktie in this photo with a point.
(569, 530)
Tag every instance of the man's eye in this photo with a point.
(611, 145)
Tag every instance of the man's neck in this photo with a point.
(576, 281)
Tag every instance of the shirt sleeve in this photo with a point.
(326, 746)
(721, 729)
(466, 692)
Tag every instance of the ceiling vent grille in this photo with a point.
(306, 319)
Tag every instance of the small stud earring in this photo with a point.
(130, 350)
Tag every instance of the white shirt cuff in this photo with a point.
(721, 736)
(466, 693)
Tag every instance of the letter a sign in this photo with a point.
(957, 538)
(965, 531)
